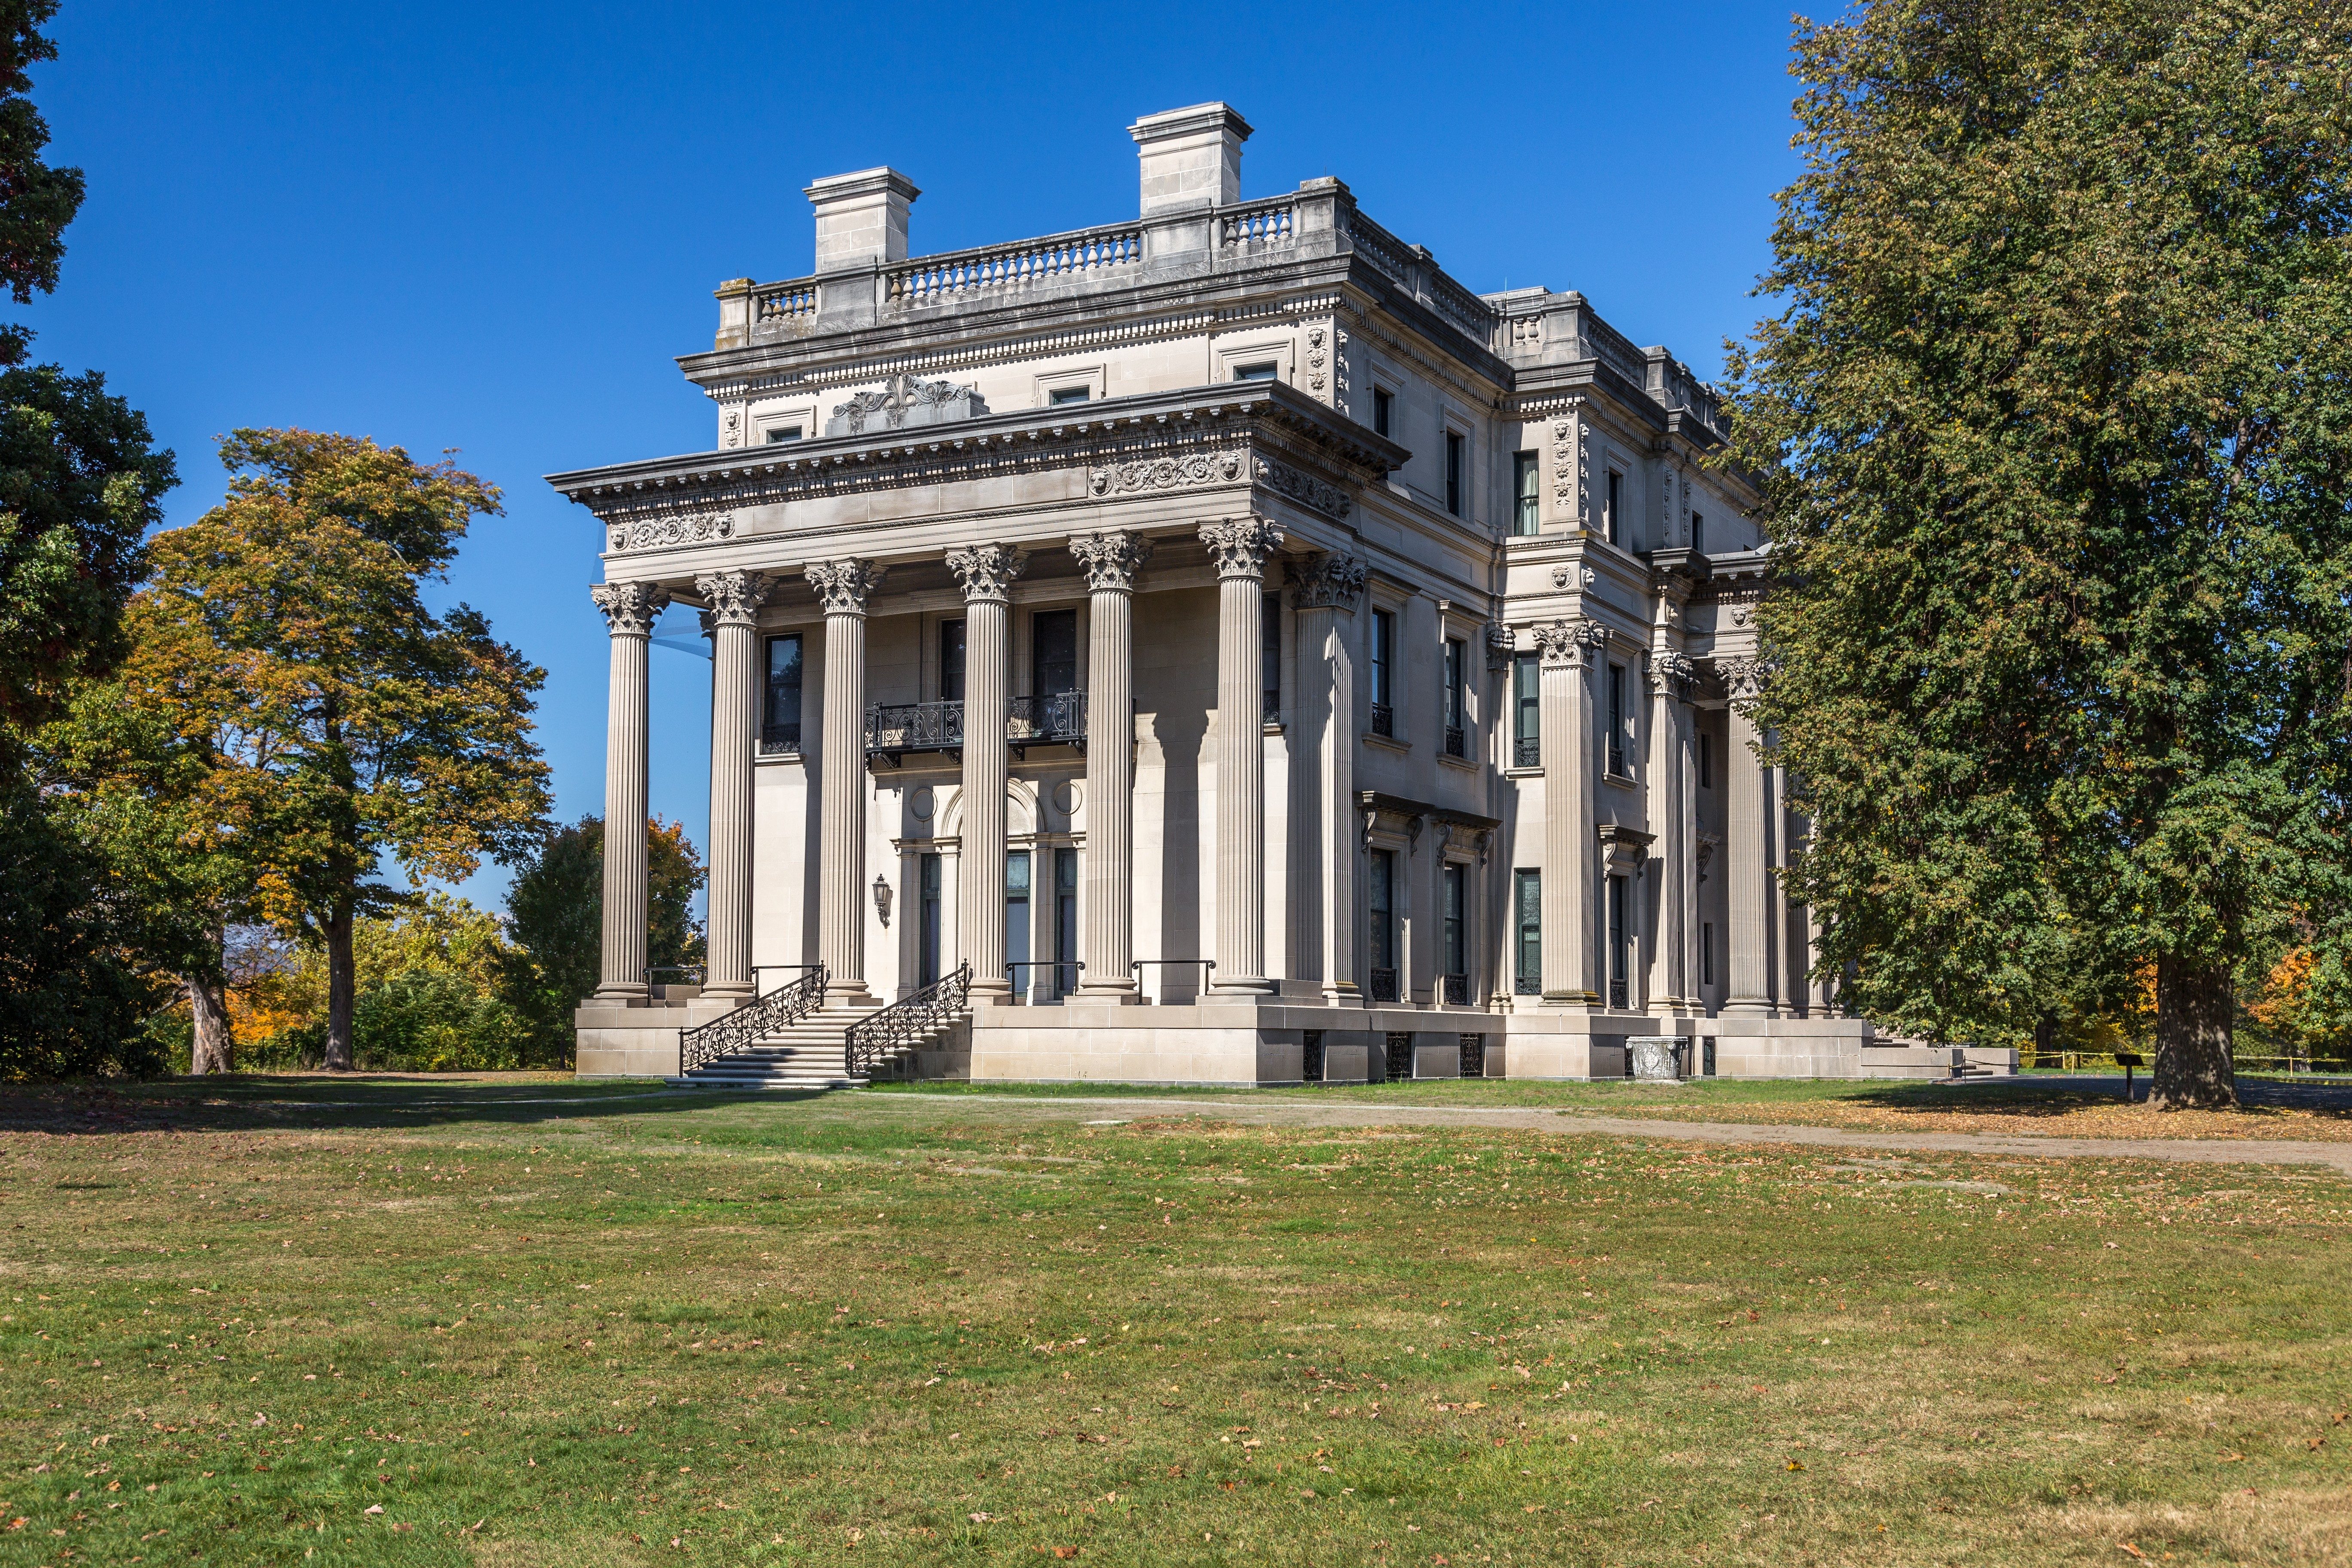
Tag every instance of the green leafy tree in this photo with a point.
(337, 723)
(555, 919)
(2053, 425)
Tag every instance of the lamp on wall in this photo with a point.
(882, 897)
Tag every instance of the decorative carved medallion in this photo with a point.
(630, 608)
(986, 572)
(1110, 560)
(1326, 582)
(1329, 499)
(1563, 575)
(735, 597)
(683, 528)
(1241, 545)
(1167, 473)
(844, 586)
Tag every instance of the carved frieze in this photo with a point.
(1166, 473)
(1304, 489)
(670, 528)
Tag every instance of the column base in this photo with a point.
(850, 994)
(1746, 1008)
(736, 994)
(1115, 992)
(1342, 996)
(620, 993)
(1242, 985)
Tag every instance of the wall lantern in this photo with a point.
(882, 897)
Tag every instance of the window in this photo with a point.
(1456, 739)
(1699, 534)
(1018, 970)
(1453, 448)
(780, 724)
(1453, 947)
(1066, 922)
(1707, 762)
(783, 433)
(1383, 930)
(1255, 372)
(1383, 409)
(1611, 510)
(1383, 672)
(1524, 480)
(1270, 658)
(1620, 945)
(1526, 902)
(1054, 652)
(1063, 395)
(1310, 1045)
(1527, 711)
(950, 661)
(1616, 750)
(928, 943)
(1706, 953)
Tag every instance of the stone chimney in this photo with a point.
(861, 218)
(1191, 158)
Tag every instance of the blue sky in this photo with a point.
(492, 226)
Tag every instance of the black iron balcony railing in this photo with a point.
(780, 740)
(1528, 985)
(914, 727)
(1058, 720)
(1385, 984)
(1272, 706)
(1617, 995)
(1384, 720)
(1527, 751)
(1455, 742)
(1458, 990)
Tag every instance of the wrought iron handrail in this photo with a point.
(1056, 718)
(882, 1034)
(780, 1008)
(915, 727)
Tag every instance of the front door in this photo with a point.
(1066, 922)
(929, 942)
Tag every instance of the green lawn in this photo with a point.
(545, 1323)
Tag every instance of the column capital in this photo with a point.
(1241, 545)
(986, 572)
(1745, 678)
(1670, 675)
(1326, 582)
(1502, 642)
(1110, 560)
(844, 586)
(1562, 644)
(734, 598)
(630, 608)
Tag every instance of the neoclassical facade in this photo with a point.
(1211, 647)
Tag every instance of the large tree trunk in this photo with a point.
(213, 1039)
(339, 986)
(2193, 1069)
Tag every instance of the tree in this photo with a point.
(36, 202)
(555, 909)
(2051, 426)
(336, 721)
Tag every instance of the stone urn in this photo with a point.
(1656, 1059)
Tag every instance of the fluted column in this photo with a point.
(1324, 591)
(1106, 905)
(1565, 698)
(1241, 547)
(1669, 803)
(630, 610)
(843, 587)
(734, 600)
(1747, 882)
(986, 573)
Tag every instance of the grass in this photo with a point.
(541, 1323)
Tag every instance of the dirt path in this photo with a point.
(1293, 1113)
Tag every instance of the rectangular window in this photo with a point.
(1456, 704)
(780, 722)
(1707, 762)
(1384, 931)
(783, 433)
(1066, 922)
(1699, 534)
(1453, 937)
(1383, 672)
(1611, 508)
(1054, 652)
(1270, 657)
(1527, 711)
(1706, 953)
(1527, 903)
(1061, 395)
(1616, 750)
(928, 941)
(950, 661)
(1454, 445)
(1620, 945)
(1018, 970)
(1383, 409)
(1255, 372)
(1524, 495)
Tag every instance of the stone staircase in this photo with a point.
(805, 1056)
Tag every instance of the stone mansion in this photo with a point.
(1216, 648)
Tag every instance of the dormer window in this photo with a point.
(1066, 394)
(1255, 372)
(782, 433)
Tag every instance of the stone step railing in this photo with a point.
(999, 270)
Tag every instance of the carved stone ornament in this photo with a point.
(1304, 489)
(732, 426)
(1241, 545)
(1562, 576)
(1317, 356)
(680, 528)
(734, 598)
(1561, 645)
(986, 572)
(1501, 643)
(1745, 678)
(1670, 675)
(1110, 560)
(844, 586)
(902, 402)
(630, 608)
(1328, 581)
(1571, 466)
(1166, 473)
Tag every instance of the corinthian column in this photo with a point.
(630, 609)
(1747, 884)
(986, 572)
(734, 598)
(1106, 913)
(1565, 710)
(1323, 591)
(1241, 546)
(1669, 801)
(843, 587)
